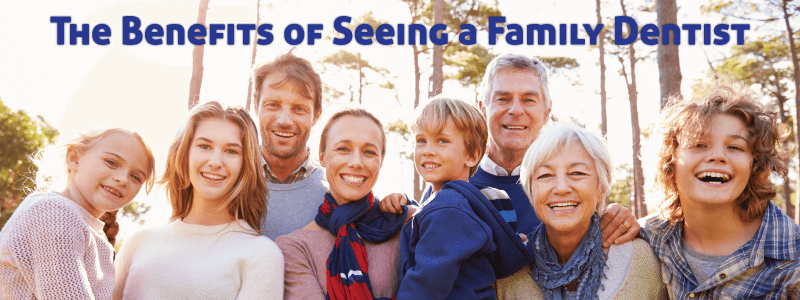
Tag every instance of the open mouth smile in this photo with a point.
(430, 166)
(563, 206)
(713, 177)
(284, 134)
(213, 177)
(353, 179)
(112, 191)
(514, 127)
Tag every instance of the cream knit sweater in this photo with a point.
(633, 272)
(189, 261)
(52, 248)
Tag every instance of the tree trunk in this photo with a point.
(602, 61)
(669, 67)
(197, 60)
(786, 193)
(253, 57)
(790, 33)
(601, 46)
(640, 209)
(360, 79)
(438, 52)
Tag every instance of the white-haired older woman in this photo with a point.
(566, 175)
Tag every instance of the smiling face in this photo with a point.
(285, 117)
(442, 157)
(352, 158)
(715, 169)
(109, 175)
(516, 110)
(567, 190)
(215, 159)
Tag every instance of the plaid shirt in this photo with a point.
(298, 175)
(766, 267)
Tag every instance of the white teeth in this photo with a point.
(723, 176)
(563, 205)
(284, 134)
(212, 176)
(353, 179)
(515, 127)
(112, 191)
(430, 166)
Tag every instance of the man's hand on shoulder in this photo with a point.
(618, 225)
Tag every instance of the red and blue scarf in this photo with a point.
(347, 268)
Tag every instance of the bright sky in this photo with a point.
(145, 87)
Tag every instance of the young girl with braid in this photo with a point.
(53, 247)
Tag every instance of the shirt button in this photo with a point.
(723, 276)
(691, 295)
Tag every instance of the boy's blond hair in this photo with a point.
(466, 117)
(685, 121)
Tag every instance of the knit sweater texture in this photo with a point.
(292, 206)
(306, 254)
(52, 248)
(633, 273)
(526, 217)
(190, 261)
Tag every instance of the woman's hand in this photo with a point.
(618, 225)
(393, 203)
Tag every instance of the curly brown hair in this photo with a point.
(685, 121)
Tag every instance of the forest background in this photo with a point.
(50, 92)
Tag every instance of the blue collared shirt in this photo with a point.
(766, 267)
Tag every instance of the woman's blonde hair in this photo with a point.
(247, 200)
(685, 121)
(51, 162)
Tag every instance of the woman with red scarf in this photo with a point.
(350, 251)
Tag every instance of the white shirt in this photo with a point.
(492, 168)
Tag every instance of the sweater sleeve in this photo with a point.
(299, 280)
(262, 278)
(447, 237)
(48, 241)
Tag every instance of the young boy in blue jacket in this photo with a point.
(457, 244)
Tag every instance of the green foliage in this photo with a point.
(401, 129)
(559, 62)
(758, 10)
(21, 136)
(764, 61)
(622, 192)
(135, 210)
(360, 70)
(470, 63)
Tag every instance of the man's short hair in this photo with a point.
(298, 70)
(514, 61)
(467, 118)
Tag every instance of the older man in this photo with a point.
(288, 102)
(516, 103)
